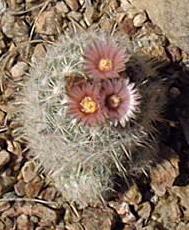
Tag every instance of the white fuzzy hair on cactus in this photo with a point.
(81, 158)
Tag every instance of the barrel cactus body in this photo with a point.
(85, 119)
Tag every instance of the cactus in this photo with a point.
(82, 149)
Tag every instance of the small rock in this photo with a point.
(106, 23)
(131, 13)
(33, 188)
(14, 147)
(125, 5)
(167, 211)
(23, 222)
(34, 219)
(171, 16)
(29, 171)
(38, 52)
(13, 28)
(18, 70)
(2, 226)
(4, 158)
(2, 43)
(163, 175)
(183, 226)
(127, 27)
(183, 194)
(96, 218)
(88, 15)
(139, 19)
(8, 223)
(4, 206)
(20, 188)
(124, 211)
(61, 8)
(46, 214)
(48, 23)
(144, 210)
(133, 195)
(2, 117)
(175, 53)
(120, 16)
(49, 193)
(73, 4)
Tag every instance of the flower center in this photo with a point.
(88, 105)
(114, 101)
(105, 65)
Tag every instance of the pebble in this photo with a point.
(14, 147)
(73, 4)
(139, 19)
(124, 211)
(12, 28)
(128, 27)
(175, 53)
(33, 188)
(48, 23)
(2, 42)
(131, 13)
(46, 214)
(88, 15)
(125, 5)
(61, 8)
(4, 206)
(18, 70)
(182, 193)
(19, 188)
(133, 195)
(144, 210)
(23, 222)
(4, 158)
(2, 117)
(8, 223)
(39, 52)
(97, 218)
(49, 193)
(163, 175)
(2, 226)
(28, 171)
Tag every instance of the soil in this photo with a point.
(28, 200)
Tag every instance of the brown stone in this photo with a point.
(4, 158)
(29, 171)
(33, 188)
(171, 16)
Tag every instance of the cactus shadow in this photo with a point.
(173, 129)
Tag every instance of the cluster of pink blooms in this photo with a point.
(107, 95)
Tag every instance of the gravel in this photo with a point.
(29, 199)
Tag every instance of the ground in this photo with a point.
(28, 200)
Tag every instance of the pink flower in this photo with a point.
(104, 60)
(121, 100)
(85, 103)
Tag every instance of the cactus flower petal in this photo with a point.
(85, 104)
(104, 60)
(121, 100)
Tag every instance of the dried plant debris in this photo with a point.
(91, 115)
(110, 149)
